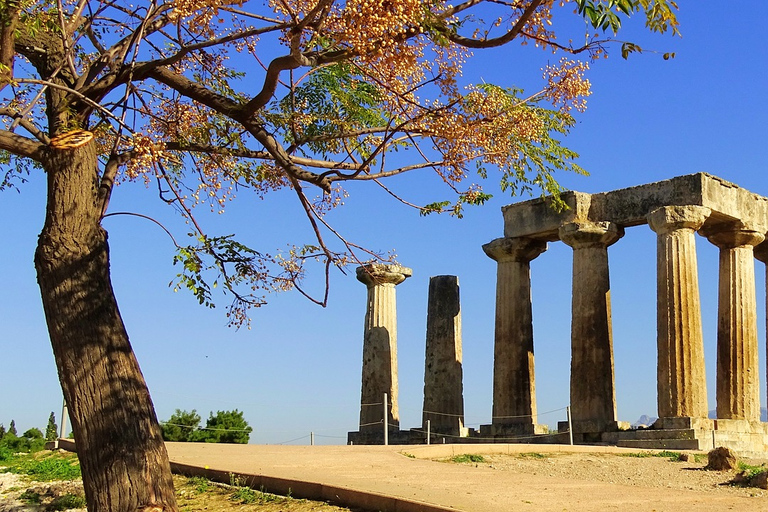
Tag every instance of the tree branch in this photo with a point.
(22, 146)
(234, 110)
(257, 155)
(19, 119)
(469, 42)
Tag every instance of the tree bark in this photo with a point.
(119, 443)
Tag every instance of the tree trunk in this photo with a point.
(119, 443)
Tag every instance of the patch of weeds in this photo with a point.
(533, 455)
(244, 495)
(66, 502)
(30, 497)
(699, 457)
(467, 457)
(673, 456)
(200, 484)
(750, 471)
(639, 455)
(409, 455)
(248, 496)
(751, 476)
(53, 466)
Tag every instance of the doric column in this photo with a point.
(443, 392)
(681, 374)
(593, 396)
(514, 390)
(761, 253)
(738, 383)
(380, 345)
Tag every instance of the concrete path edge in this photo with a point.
(340, 496)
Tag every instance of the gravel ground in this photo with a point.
(654, 472)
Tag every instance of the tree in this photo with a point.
(181, 426)
(226, 427)
(97, 91)
(2, 431)
(12, 428)
(51, 430)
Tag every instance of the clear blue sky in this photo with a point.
(298, 369)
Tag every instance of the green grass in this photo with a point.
(44, 467)
(467, 457)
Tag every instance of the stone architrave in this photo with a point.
(761, 253)
(738, 382)
(380, 346)
(681, 375)
(443, 391)
(514, 390)
(593, 395)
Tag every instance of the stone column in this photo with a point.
(681, 374)
(380, 346)
(738, 388)
(761, 253)
(593, 395)
(514, 390)
(443, 392)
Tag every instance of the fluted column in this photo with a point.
(738, 383)
(593, 396)
(443, 392)
(380, 345)
(514, 390)
(681, 374)
(761, 253)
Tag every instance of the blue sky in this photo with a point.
(298, 369)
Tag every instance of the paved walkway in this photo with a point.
(382, 478)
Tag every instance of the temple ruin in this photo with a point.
(733, 219)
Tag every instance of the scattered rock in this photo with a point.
(721, 459)
(759, 480)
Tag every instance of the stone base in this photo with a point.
(394, 437)
(744, 437)
(513, 432)
(593, 426)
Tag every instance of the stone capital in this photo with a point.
(581, 235)
(673, 218)
(379, 273)
(731, 238)
(514, 249)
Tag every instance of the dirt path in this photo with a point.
(588, 479)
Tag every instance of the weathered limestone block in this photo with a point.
(514, 390)
(593, 396)
(443, 391)
(380, 345)
(738, 382)
(681, 384)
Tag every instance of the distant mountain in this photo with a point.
(644, 421)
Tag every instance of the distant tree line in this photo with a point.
(223, 427)
(32, 440)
